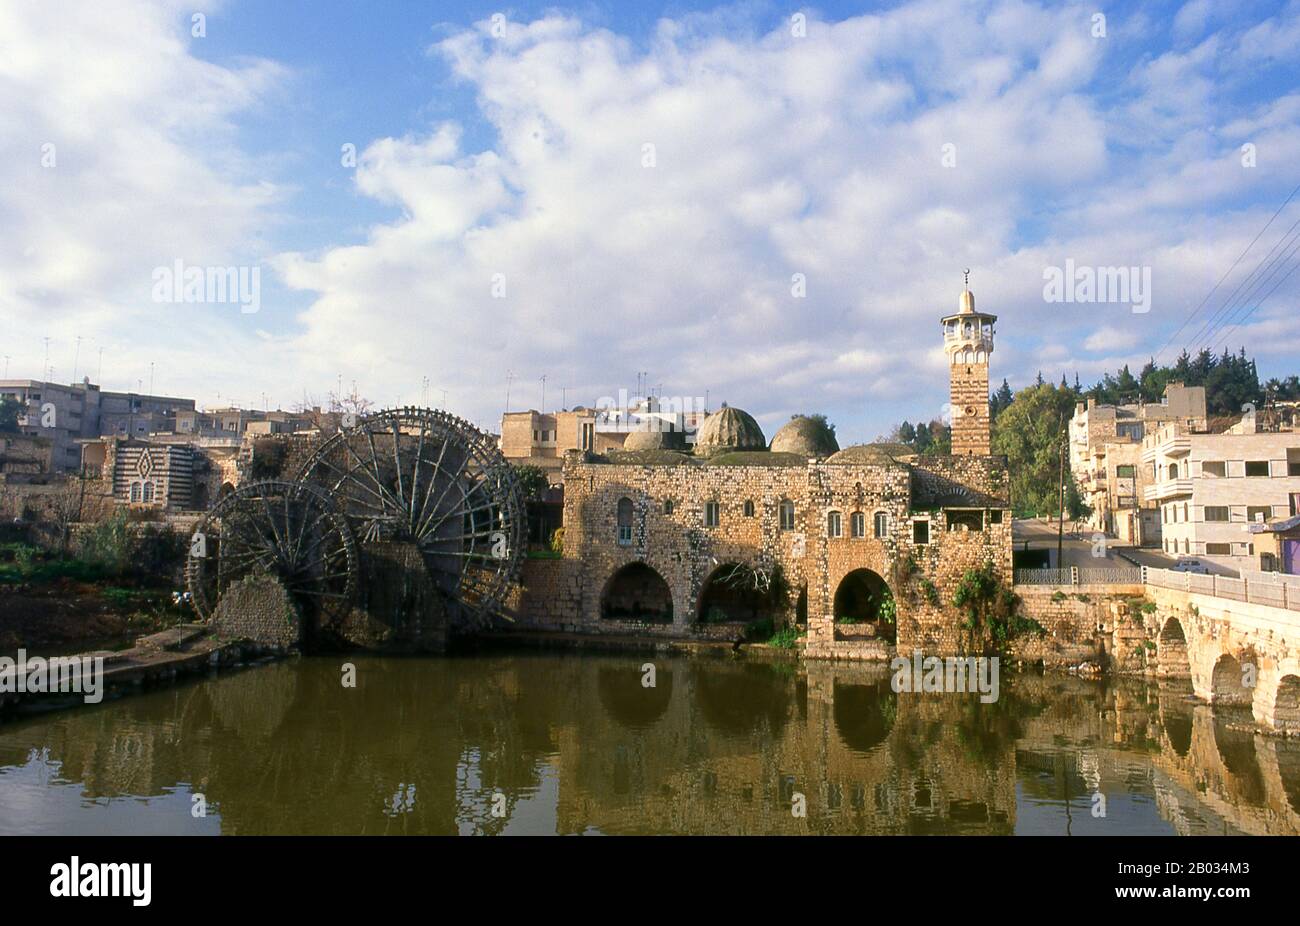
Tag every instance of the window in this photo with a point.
(1293, 461)
(711, 511)
(787, 515)
(920, 532)
(1218, 549)
(965, 520)
(625, 522)
(1214, 469)
(147, 493)
(749, 508)
(668, 506)
(1126, 471)
(880, 525)
(135, 493)
(1173, 470)
(588, 435)
(1216, 513)
(1185, 514)
(858, 524)
(995, 516)
(1259, 512)
(834, 525)
(1131, 431)
(1257, 467)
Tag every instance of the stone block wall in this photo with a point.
(669, 532)
(1082, 623)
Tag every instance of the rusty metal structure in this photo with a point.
(416, 480)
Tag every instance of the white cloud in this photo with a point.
(773, 156)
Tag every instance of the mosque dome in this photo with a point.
(729, 429)
(806, 436)
(871, 453)
(654, 440)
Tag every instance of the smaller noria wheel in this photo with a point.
(286, 529)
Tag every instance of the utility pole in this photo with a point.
(76, 358)
(1060, 523)
(543, 409)
(509, 377)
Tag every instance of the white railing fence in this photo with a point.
(1270, 588)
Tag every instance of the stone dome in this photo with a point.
(654, 440)
(809, 437)
(868, 453)
(729, 429)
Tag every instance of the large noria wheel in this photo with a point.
(289, 530)
(428, 478)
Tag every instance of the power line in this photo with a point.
(1230, 305)
(1238, 324)
(1202, 303)
(1234, 318)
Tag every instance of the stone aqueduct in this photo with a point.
(1234, 653)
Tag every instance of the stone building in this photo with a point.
(1105, 459)
(862, 545)
(1211, 488)
(968, 342)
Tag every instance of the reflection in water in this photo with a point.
(576, 743)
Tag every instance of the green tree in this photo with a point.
(532, 482)
(10, 410)
(1031, 434)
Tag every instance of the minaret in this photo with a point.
(968, 341)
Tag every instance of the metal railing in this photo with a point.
(1073, 575)
(1268, 588)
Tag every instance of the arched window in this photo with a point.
(749, 508)
(668, 506)
(625, 522)
(147, 493)
(1173, 470)
(858, 524)
(135, 493)
(787, 514)
(880, 524)
(834, 525)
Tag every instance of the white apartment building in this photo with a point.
(1105, 458)
(1209, 488)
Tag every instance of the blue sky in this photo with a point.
(876, 152)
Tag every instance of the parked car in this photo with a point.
(1186, 564)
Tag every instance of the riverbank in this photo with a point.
(158, 658)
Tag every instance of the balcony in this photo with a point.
(1170, 488)
(1174, 446)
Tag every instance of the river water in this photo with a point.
(544, 742)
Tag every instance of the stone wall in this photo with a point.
(259, 610)
(1081, 622)
(961, 504)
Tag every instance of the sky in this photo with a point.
(760, 204)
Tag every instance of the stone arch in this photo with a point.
(864, 714)
(1171, 650)
(637, 592)
(741, 699)
(1286, 705)
(629, 702)
(1225, 682)
(727, 595)
(859, 598)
